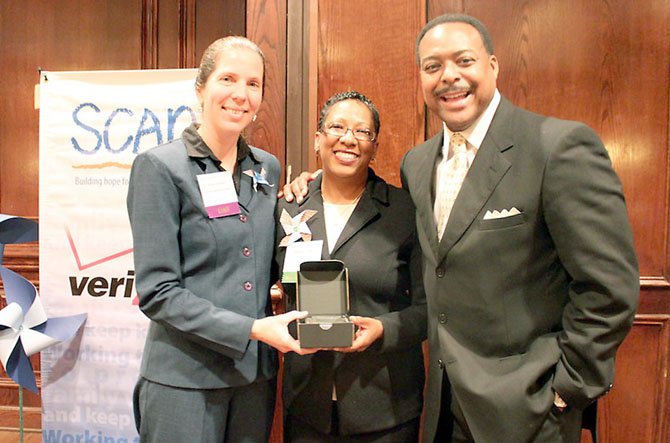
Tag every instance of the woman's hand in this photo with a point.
(274, 331)
(369, 331)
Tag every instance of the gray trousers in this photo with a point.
(237, 414)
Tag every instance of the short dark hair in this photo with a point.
(350, 95)
(456, 18)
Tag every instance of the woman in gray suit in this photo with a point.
(201, 209)
(371, 392)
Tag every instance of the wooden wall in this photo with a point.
(605, 62)
(369, 47)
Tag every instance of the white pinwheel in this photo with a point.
(295, 227)
(25, 329)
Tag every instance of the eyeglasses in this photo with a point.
(337, 130)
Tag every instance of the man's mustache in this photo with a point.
(450, 90)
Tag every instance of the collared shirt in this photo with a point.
(474, 136)
(197, 149)
(475, 133)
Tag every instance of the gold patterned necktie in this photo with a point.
(450, 178)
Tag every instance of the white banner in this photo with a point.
(92, 125)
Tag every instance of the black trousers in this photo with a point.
(297, 431)
(558, 427)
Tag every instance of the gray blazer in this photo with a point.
(382, 386)
(201, 281)
(539, 300)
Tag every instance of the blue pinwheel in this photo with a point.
(24, 327)
(258, 178)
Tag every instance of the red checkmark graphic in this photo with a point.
(95, 262)
(136, 300)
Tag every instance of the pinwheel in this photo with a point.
(258, 178)
(295, 227)
(25, 329)
(24, 326)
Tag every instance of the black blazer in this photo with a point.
(381, 387)
(522, 304)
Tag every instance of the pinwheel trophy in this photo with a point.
(24, 327)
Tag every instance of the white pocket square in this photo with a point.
(492, 215)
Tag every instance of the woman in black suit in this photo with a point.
(371, 392)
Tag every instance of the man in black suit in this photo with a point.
(534, 282)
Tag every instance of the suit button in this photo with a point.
(439, 272)
(248, 286)
(442, 317)
(243, 218)
(246, 251)
(440, 363)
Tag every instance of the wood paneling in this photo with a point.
(358, 51)
(10, 417)
(101, 35)
(215, 19)
(637, 408)
(31, 436)
(266, 26)
(184, 28)
(149, 36)
(301, 68)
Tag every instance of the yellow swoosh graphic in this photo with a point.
(103, 165)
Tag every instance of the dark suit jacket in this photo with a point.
(382, 386)
(201, 281)
(523, 304)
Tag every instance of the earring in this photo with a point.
(253, 119)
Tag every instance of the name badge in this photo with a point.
(299, 252)
(218, 194)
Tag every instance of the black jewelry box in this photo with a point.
(323, 291)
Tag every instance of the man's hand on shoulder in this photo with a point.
(298, 187)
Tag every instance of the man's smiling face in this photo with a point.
(458, 76)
